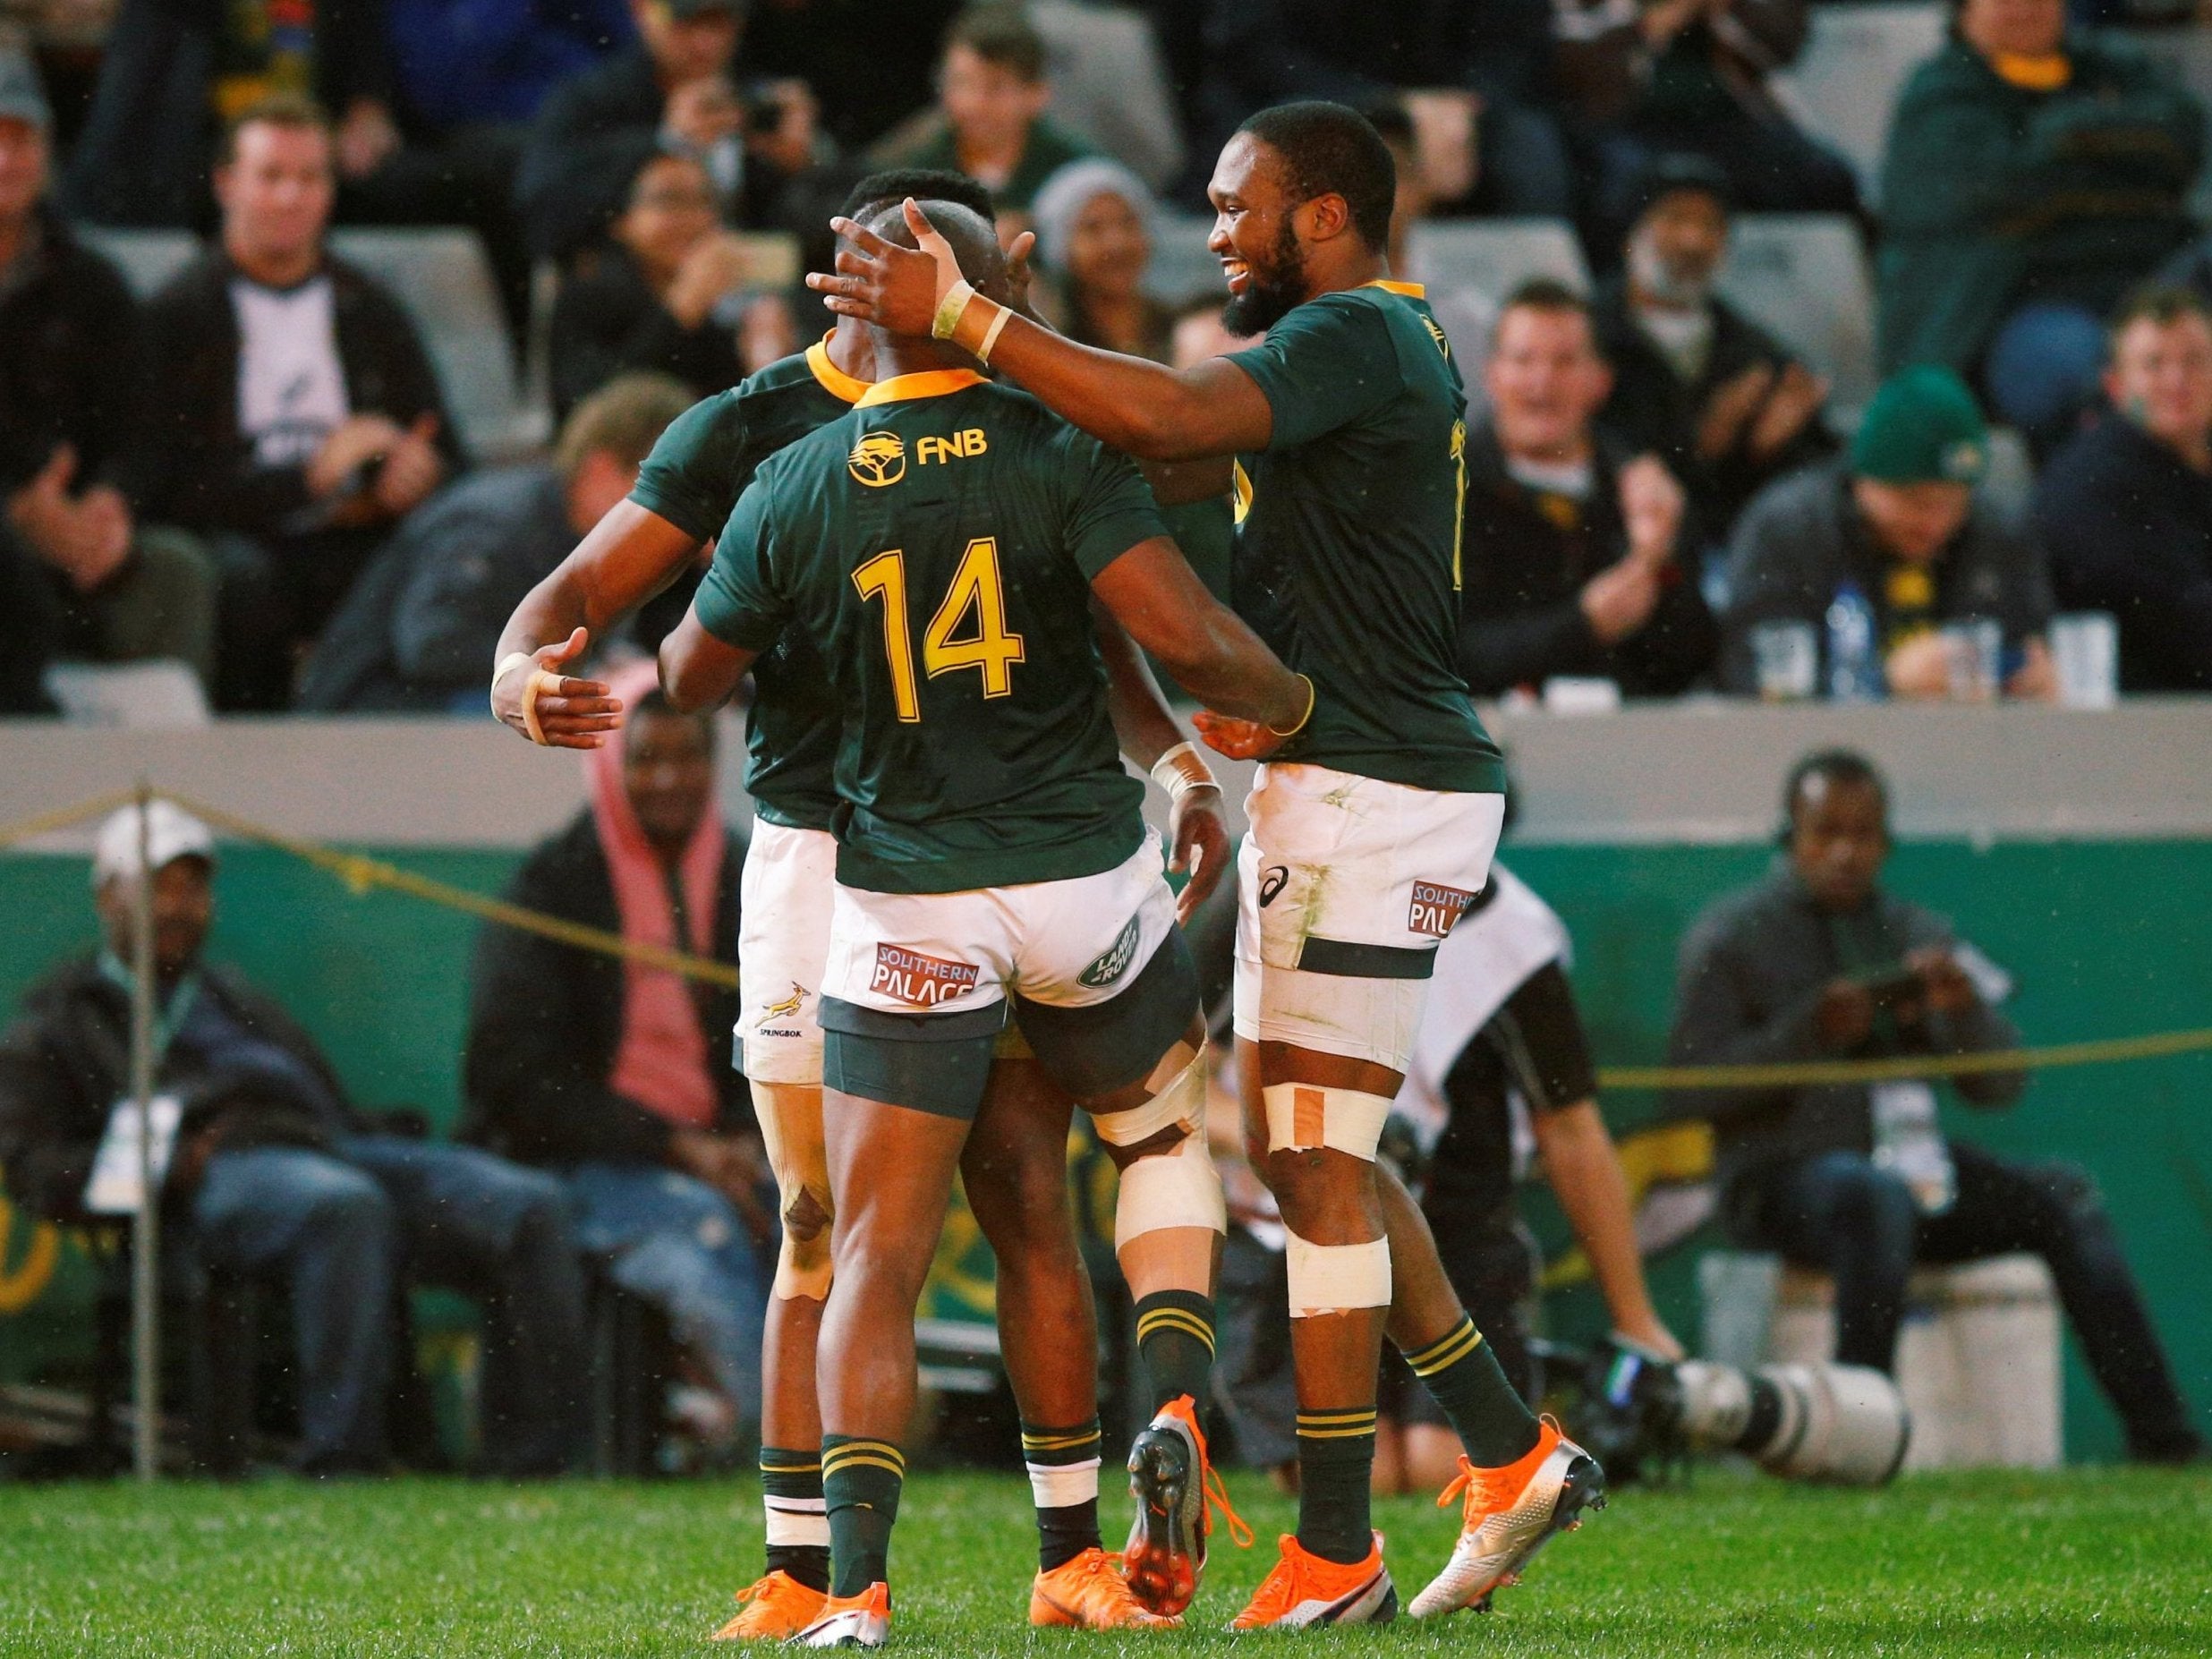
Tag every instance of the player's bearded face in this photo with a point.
(1275, 283)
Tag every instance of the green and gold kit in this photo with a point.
(936, 547)
(1348, 538)
(693, 479)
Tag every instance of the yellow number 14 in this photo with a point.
(976, 587)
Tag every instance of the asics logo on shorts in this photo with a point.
(1436, 908)
(909, 976)
(1272, 882)
(1113, 962)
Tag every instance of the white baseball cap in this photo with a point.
(171, 833)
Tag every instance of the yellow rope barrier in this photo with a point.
(362, 873)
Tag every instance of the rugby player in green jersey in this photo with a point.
(1014, 1167)
(1343, 437)
(940, 548)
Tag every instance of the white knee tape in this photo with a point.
(1302, 1115)
(1334, 1279)
(1179, 1099)
(1181, 1188)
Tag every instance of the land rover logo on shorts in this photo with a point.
(1114, 962)
(880, 458)
(1436, 908)
(1272, 882)
(909, 976)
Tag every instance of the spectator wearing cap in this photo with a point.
(2126, 508)
(276, 1173)
(1093, 221)
(1573, 545)
(291, 413)
(80, 575)
(676, 87)
(990, 122)
(1697, 383)
(2032, 177)
(1898, 520)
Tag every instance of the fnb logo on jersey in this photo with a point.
(1436, 908)
(923, 980)
(959, 447)
(880, 458)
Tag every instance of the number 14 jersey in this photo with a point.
(937, 545)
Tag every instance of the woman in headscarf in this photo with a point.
(1093, 223)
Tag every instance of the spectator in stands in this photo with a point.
(465, 64)
(664, 294)
(1897, 521)
(1572, 548)
(619, 1077)
(276, 1174)
(424, 619)
(1467, 315)
(83, 577)
(1696, 382)
(2126, 508)
(858, 57)
(677, 88)
(291, 413)
(1093, 223)
(990, 122)
(2031, 179)
(1692, 77)
(1819, 963)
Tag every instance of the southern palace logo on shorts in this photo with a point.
(1436, 908)
(911, 977)
(1113, 962)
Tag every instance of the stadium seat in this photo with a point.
(1493, 257)
(1804, 277)
(442, 277)
(1182, 268)
(147, 258)
(2186, 54)
(1843, 86)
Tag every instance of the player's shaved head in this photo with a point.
(974, 240)
(888, 189)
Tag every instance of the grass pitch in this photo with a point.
(2091, 1561)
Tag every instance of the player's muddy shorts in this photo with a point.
(918, 985)
(1345, 885)
(783, 938)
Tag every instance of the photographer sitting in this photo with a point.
(1817, 963)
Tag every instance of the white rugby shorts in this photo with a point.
(1067, 944)
(1345, 887)
(786, 894)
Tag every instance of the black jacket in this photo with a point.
(545, 1021)
(2128, 526)
(1527, 557)
(207, 477)
(1654, 409)
(69, 370)
(66, 1061)
(605, 322)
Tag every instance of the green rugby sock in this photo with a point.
(1175, 1338)
(798, 1530)
(1336, 1462)
(1063, 1478)
(1494, 1424)
(860, 1482)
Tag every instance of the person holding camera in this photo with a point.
(1859, 1180)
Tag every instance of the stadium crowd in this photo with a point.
(257, 471)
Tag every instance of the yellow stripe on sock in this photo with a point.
(1357, 1432)
(1176, 1319)
(1059, 1443)
(1461, 1342)
(1346, 1414)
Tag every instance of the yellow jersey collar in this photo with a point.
(927, 383)
(834, 379)
(1411, 290)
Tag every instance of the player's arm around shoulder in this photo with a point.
(736, 613)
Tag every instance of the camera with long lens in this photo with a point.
(1641, 1415)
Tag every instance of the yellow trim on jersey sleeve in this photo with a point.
(1411, 290)
(834, 380)
(930, 383)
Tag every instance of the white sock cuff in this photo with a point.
(1059, 1486)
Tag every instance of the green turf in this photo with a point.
(2090, 1561)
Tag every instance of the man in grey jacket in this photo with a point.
(1816, 963)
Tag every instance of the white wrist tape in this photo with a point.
(1181, 770)
(991, 335)
(948, 310)
(541, 682)
(1302, 1115)
(1178, 1098)
(1164, 1190)
(1335, 1278)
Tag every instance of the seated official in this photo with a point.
(620, 1077)
(1819, 963)
(2126, 508)
(1898, 523)
(1573, 550)
(277, 1175)
(425, 616)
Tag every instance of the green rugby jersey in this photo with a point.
(937, 545)
(692, 477)
(1348, 538)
